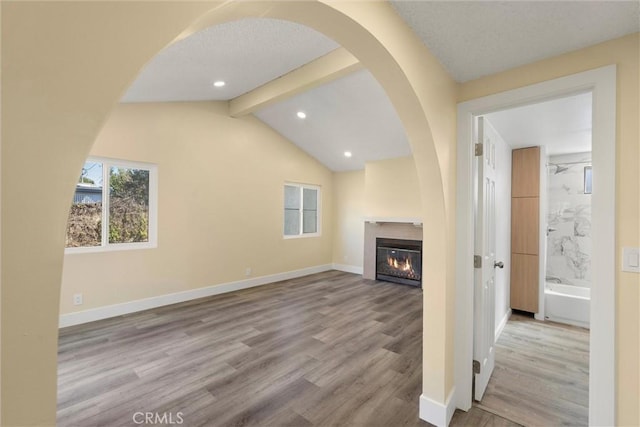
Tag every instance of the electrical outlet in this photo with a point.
(77, 299)
(247, 272)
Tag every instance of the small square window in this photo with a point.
(301, 210)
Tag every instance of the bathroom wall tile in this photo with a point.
(569, 213)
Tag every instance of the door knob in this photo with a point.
(498, 264)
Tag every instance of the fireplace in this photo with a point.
(399, 261)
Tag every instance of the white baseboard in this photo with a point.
(502, 324)
(108, 311)
(348, 268)
(437, 413)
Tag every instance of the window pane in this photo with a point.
(310, 210)
(310, 199)
(128, 205)
(588, 180)
(291, 222)
(291, 197)
(85, 218)
(309, 221)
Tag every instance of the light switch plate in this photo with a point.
(631, 260)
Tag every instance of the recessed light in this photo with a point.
(347, 154)
(219, 83)
(301, 115)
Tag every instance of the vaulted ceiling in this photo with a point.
(345, 107)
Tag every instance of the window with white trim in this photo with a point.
(301, 210)
(114, 207)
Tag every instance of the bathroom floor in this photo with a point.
(541, 376)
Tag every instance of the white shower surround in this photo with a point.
(567, 291)
(569, 248)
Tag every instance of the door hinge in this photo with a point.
(479, 149)
(477, 261)
(476, 367)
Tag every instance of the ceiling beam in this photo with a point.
(332, 66)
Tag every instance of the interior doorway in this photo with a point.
(602, 83)
(562, 130)
(538, 216)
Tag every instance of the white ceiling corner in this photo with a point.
(477, 38)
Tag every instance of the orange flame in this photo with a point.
(402, 265)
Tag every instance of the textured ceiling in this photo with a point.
(562, 125)
(245, 54)
(477, 38)
(471, 39)
(350, 114)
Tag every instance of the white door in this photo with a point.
(485, 261)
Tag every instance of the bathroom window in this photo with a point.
(587, 180)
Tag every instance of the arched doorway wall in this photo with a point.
(59, 98)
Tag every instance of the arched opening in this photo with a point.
(406, 78)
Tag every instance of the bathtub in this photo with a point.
(567, 304)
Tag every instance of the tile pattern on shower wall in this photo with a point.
(569, 214)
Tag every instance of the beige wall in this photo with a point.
(384, 189)
(392, 189)
(348, 222)
(58, 88)
(623, 52)
(220, 204)
(208, 162)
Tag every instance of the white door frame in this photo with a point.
(602, 356)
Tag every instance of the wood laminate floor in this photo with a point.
(330, 349)
(541, 376)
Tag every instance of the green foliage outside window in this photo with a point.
(128, 205)
(128, 200)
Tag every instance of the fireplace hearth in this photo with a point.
(399, 261)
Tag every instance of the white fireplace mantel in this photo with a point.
(394, 220)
